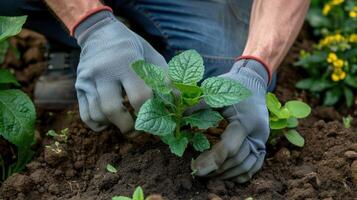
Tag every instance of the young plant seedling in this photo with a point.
(177, 90)
(62, 136)
(138, 195)
(110, 168)
(284, 119)
(347, 121)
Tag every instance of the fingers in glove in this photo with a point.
(85, 113)
(137, 91)
(236, 160)
(247, 176)
(243, 168)
(111, 102)
(231, 141)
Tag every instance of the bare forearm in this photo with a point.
(274, 25)
(71, 11)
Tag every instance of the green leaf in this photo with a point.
(177, 145)
(154, 118)
(7, 78)
(295, 138)
(200, 142)
(292, 122)
(348, 96)
(190, 93)
(186, 68)
(138, 194)
(189, 90)
(280, 124)
(332, 96)
(298, 109)
(219, 92)
(272, 101)
(320, 85)
(17, 118)
(121, 198)
(351, 80)
(10, 26)
(347, 121)
(110, 168)
(4, 46)
(305, 84)
(152, 75)
(274, 106)
(203, 119)
(317, 19)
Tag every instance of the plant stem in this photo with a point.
(178, 115)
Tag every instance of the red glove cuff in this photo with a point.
(86, 15)
(259, 60)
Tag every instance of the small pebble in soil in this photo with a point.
(354, 171)
(212, 196)
(154, 197)
(351, 154)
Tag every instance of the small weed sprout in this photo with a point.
(175, 92)
(347, 121)
(110, 168)
(283, 120)
(138, 195)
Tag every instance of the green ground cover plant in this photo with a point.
(177, 90)
(137, 195)
(283, 119)
(331, 65)
(17, 112)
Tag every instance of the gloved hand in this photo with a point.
(104, 72)
(241, 151)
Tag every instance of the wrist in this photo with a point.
(260, 63)
(73, 12)
(91, 21)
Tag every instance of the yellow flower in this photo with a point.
(336, 2)
(353, 37)
(353, 14)
(338, 63)
(326, 9)
(331, 57)
(338, 75)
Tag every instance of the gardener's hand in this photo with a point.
(241, 151)
(104, 72)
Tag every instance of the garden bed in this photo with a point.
(326, 168)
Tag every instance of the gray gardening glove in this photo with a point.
(104, 72)
(241, 151)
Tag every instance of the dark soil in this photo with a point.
(326, 168)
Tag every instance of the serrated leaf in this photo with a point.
(7, 78)
(17, 118)
(295, 138)
(152, 75)
(10, 26)
(190, 93)
(121, 198)
(219, 92)
(298, 109)
(154, 118)
(203, 119)
(292, 122)
(138, 194)
(280, 124)
(4, 47)
(177, 145)
(110, 168)
(200, 142)
(186, 68)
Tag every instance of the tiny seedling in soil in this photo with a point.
(138, 195)
(110, 168)
(62, 136)
(347, 121)
(284, 119)
(177, 90)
